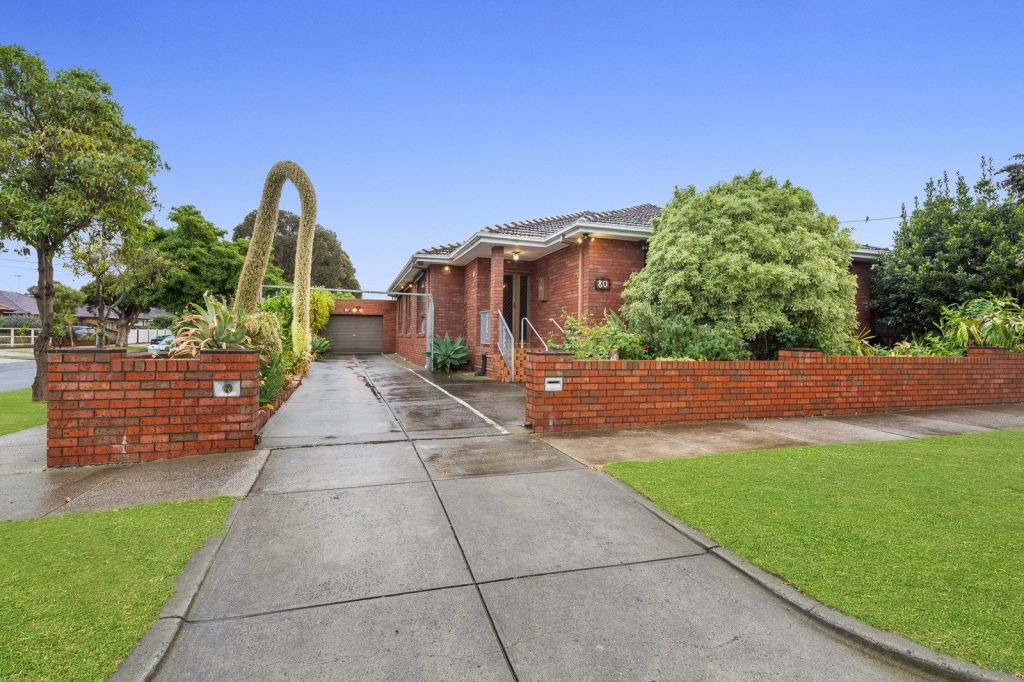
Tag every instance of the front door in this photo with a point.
(515, 295)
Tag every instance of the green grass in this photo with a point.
(78, 591)
(17, 411)
(924, 538)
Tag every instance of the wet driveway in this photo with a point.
(396, 532)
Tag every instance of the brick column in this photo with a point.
(497, 299)
(543, 409)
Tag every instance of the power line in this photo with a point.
(870, 219)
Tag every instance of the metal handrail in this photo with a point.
(555, 322)
(522, 332)
(507, 345)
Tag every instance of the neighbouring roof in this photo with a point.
(13, 303)
(636, 216)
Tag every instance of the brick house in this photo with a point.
(534, 273)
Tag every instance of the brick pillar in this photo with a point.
(497, 299)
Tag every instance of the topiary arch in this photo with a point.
(250, 283)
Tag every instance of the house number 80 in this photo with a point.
(603, 284)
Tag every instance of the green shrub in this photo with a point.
(449, 354)
(988, 321)
(273, 377)
(741, 270)
(264, 330)
(162, 322)
(321, 303)
(597, 341)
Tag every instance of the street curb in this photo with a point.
(144, 660)
(885, 644)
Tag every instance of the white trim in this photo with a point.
(460, 401)
(614, 230)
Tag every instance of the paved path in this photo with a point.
(396, 534)
(597, 448)
(16, 374)
(28, 489)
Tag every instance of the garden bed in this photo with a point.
(268, 411)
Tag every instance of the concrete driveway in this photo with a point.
(395, 533)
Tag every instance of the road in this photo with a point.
(16, 374)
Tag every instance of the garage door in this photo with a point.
(355, 333)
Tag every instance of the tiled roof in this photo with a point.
(442, 250)
(637, 216)
(14, 303)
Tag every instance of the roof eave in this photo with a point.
(411, 266)
(867, 254)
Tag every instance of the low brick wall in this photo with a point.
(105, 406)
(621, 393)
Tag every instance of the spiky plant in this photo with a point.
(213, 326)
(247, 296)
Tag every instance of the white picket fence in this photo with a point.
(15, 338)
(11, 338)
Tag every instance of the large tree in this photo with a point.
(126, 272)
(959, 243)
(743, 269)
(1013, 180)
(201, 260)
(332, 267)
(68, 161)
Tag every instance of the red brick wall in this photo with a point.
(106, 407)
(601, 394)
(495, 303)
(863, 273)
(381, 308)
(612, 258)
(561, 270)
(476, 295)
(448, 290)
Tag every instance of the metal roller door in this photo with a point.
(355, 333)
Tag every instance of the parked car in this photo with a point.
(158, 339)
(160, 345)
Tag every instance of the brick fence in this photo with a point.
(603, 393)
(105, 406)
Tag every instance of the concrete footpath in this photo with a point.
(397, 533)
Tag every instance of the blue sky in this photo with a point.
(422, 122)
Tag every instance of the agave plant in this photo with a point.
(449, 354)
(320, 345)
(214, 326)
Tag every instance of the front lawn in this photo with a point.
(924, 538)
(78, 591)
(17, 411)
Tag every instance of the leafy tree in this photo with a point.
(200, 260)
(962, 242)
(332, 267)
(741, 270)
(68, 161)
(1014, 180)
(125, 270)
(66, 301)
